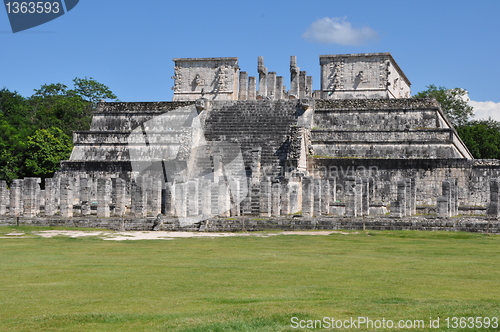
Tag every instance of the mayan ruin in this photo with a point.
(231, 149)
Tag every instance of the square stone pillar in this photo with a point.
(444, 202)
(358, 196)
(285, 198)
(85, 196)
(252, 86)
(294, 190)
(192, 198)
(276, 199)
(236, 198)
(154, 207)
(265, 198)
(351, 208)
(317, 196)
(307, 196)
(493, 209)
(325, 196)
(138, 198)
(302, 84)
(180, 199)
(31, 192)
(279, 88)
(243, 90)
(50, 197)
(398, 207)
(16, 202)
(3, 197)
(294, 77)
(120, 197)
(224, 200)
(453, 196)
(365, 199)
(103, 197)
(66, 197)
(271, 85)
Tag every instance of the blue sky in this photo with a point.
(129, 44)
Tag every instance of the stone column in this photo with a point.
(398, 207)
(333, 189)
(155, 193)
(243, 90)
(85, 196)
(307, 196)
(30, 197)
(276, 199)
(325, 196)
(251, 88)
(279, 87)
(169, 193)
(192, 198)
(235, 198)
(121, 190)
(317, 197)
(138, 198)
(493, 209)
(224, 200)
(50, 197)
(262, 77)
(309, 86)
(295, 197)
(15, 207)
(444, 202)
(180, 199)
(351, 208)
(285, 198)
(271, 85)
(453, 196)
(302, 84)
(408, 196)
(294, 78)
(103, 197)
(265, 198)
(66, 197)
(3, 197)
(358, 192)
(365, 199)
(413, 197)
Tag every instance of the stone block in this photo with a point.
(66, 197)
(307, 196)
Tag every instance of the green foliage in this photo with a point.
(45, 150)
(43, 123)
(453, 102)
(12, 149)
(482, 137)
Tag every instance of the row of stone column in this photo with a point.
(405, 203)
(270, 86)
(447, 204)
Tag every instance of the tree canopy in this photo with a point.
(36, 131)
(454, 103)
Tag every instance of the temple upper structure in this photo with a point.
(344, 76)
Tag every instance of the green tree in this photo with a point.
(12, 149)
(482, 137)
(93, 91)
(45, 150)
(454, 103)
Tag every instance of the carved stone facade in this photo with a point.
(212, 78)
(361, 76)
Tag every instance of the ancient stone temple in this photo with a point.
(230, 144)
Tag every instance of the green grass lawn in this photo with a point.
(245, 283)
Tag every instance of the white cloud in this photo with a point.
(485, 109)
(337, 30)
